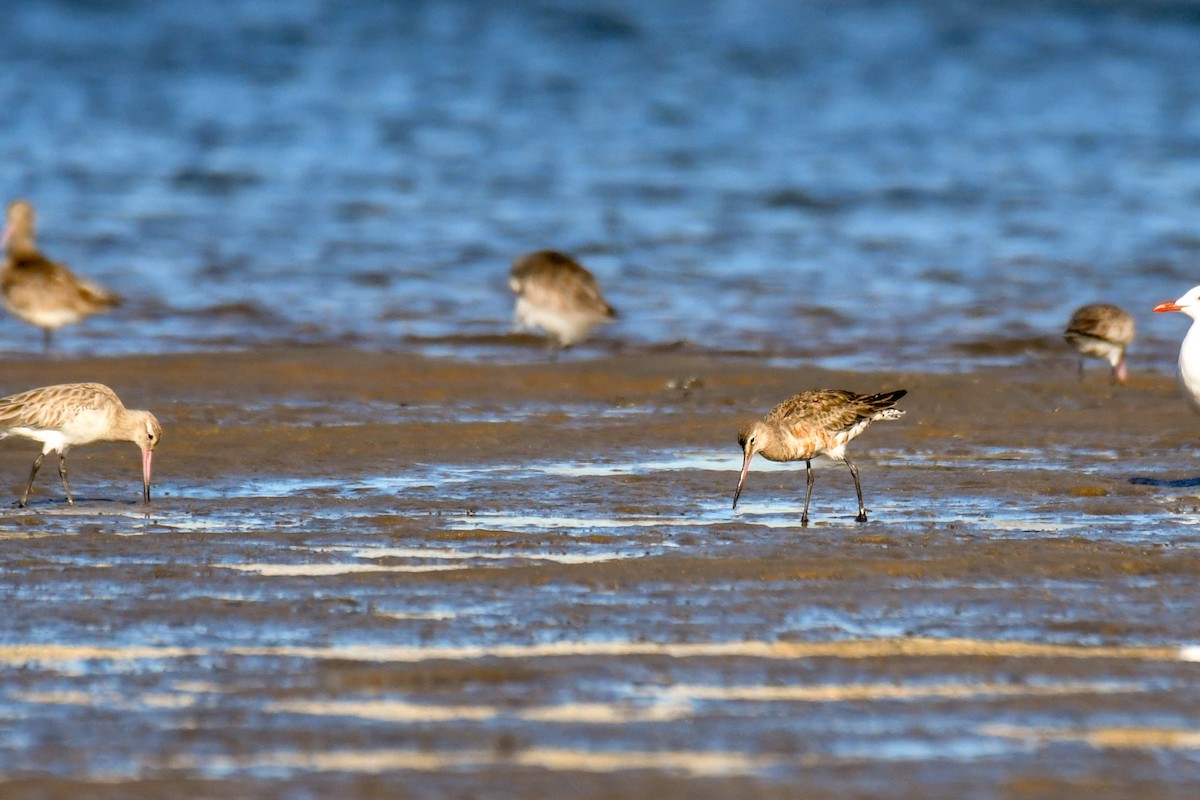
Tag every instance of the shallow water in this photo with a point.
(864, 184)
(912, 187)
(608, 617)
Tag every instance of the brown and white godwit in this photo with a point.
(811, 424)
(72, 414)
(1101, 330)
(1189, 351)
(555, 293)
(37, 290)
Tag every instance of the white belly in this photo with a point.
(52, 441)
(566, 327)
(1189, 367)
(1098, 348)
(45, 316)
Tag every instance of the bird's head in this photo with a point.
(146, 434)
(1189, 304)
(752, 438)
(147, 431)
(18, 224)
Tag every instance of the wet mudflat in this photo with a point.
(376, 575)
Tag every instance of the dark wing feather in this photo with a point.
(31, 278)
(554, 280)
(1102, 321)
(833, 409)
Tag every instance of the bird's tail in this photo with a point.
(884, 402)
(98, 295)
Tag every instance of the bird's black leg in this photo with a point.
(808, 479)
(62, 473)
(47, 340)
(37, 463)
(1080, 368)
(862, 510)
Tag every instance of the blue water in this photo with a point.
(864, 184)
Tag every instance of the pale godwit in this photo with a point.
(1189, 352)
(811, 424)
(1101, 330)
(72, 414)
(558, 295)
(36, 289)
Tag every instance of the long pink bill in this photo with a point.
(147, 455)
(742, 479)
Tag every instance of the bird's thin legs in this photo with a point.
(1118, 372)
(62, 473)
(47, 340)
(37, 463)
(808, 480)
(862, 510)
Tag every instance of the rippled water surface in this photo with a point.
(863, 184)
(556, 635)
(472, 589)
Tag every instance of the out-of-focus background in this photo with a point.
(852, 184)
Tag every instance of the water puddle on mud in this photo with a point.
(689, 481)
(303, 412)
(1080, 460)
(444, 559)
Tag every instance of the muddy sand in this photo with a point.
(379, 575)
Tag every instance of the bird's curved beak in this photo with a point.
(741, 480)
(1170, 305)
(147, 455)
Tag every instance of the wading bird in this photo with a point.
(811, 424)
(555, 293)
(1100, 330)
(37, 290)
(73, 414)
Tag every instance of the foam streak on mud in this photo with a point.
(16, 655)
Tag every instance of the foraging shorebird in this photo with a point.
(39, 291)
(72, 414)
(1101, 330)
(558, 295)
(811, 424)
(1189, 352)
